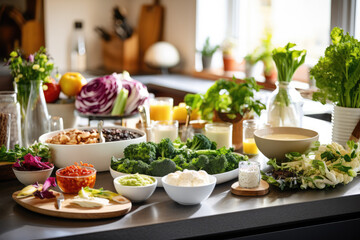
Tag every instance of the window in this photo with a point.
(305, 22)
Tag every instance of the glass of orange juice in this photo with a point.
(161, 108)
(249, 127)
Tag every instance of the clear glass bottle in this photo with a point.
(37, 117)
(285, 106)
(9, 105)
(78, 49)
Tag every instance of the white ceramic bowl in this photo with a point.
(31, 177)
(189, 195)
(135, 193)
(97, 154)
(276, 148)
(116, 174)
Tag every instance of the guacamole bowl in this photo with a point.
(125, 185)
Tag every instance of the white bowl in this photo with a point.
(97, 154)
(116, 174)
(135, 193)
(277, 148)
(31, 177)
(189, 195)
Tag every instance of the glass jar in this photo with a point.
(249, 174)
(9, 105)
(249, 127)
(285, 106)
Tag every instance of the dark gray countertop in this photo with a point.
(161, 218)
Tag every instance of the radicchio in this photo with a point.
(97, 96)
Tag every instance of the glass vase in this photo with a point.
(285, 106)
(37, 117)
(23, 92)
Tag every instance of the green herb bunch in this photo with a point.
(227, 96)
(37, 66)
(209, 50)
(337, 74)
(287, 61)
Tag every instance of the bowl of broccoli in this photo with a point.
(166, 157)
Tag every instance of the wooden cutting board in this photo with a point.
(150, 28)
(68, 210)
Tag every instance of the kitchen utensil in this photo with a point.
(150, 28)
(103, 33)
(100, 128)
(68, 210)
(122, 27)
(145, 119)
(59, 200)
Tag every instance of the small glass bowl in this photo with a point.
(73, 184)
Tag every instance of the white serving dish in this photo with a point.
(135, 193)
(31, 177)
(189, 195)
(97, 154)
(220, 178)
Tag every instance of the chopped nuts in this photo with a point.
(75, 136)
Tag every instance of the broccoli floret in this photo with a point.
(162, 167)
(115, 162)
(213, 145)
(199, 142)
(200, 162)
(179, 160)
(132, 166)
(216, 164)
(145, 151)
(178, 143)
(233, 160)
(166, 148)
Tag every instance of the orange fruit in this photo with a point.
(71, 83)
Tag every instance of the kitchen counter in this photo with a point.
(299, 214)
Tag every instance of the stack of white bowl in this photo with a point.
(344, 121)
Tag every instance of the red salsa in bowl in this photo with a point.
(72, 178)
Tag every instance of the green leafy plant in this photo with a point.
(37, 66)
(227, 96)
(208, 50)
(287, 61)
(337, 74)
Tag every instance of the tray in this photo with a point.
(48, 207)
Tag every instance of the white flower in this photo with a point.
(36, 66)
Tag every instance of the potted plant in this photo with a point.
(250, 61)
(228, 101)
(266, 58)
(337, 76)
(207, 52)
(228, 50)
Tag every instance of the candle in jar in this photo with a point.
(221, 133)
(165, 129)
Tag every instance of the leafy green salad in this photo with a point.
(323, 166)
(166, 157)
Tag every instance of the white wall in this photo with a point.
(179, 27)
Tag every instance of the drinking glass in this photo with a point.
(221, 133)
(161, 108)
(165, 129)
(56, 123)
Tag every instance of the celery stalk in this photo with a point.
(120, 102)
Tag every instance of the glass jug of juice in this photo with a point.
(161, 108)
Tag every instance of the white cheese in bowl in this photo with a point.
(188, 178)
